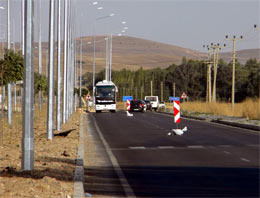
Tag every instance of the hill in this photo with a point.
(133, 53)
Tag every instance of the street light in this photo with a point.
(94, 54)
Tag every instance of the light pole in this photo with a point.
(65, 61)
(94, 53)
(58, 99)
(51, 73)
(28, 115)
(111, 49)
(9, 47)
(257, 28)
(234, 39)
(80, 75)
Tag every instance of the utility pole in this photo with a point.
(161, 91)
(209, 63)
(234, 39)
(216, 49)
(151, 87)
(257, 28)
(141, 92)
(214, 69)
(173, 89)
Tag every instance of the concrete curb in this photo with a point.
(235, 124)
(245, 126)
(79, 170)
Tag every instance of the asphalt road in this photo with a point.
(209, 160)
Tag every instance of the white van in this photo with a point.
(154, 100)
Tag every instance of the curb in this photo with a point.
(234, 124)
(79, 170)
(245, 126)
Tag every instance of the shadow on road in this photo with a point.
(175, 181)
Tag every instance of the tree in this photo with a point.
(11, 67)
(40, 83)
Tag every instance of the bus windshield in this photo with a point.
(105, 92)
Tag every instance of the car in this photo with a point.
(148, 105)
(154, 101)
(137, 105)
(162, 104)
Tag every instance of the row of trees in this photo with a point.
(189, 77)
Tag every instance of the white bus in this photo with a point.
(105, 96)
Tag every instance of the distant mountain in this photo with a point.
(133, 53)
(241, 55)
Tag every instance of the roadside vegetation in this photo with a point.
(250, 108)
(189, 77)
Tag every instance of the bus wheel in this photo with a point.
(98, 111)
(112, 111)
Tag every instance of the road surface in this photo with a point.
(209, 160)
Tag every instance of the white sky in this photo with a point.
(184, 23)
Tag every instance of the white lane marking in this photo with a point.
(253, 145)
(137, 147)
(127, 188)
(227, 152)
(244, 159)
(166, 147)
(196, 146)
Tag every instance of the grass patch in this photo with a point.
(248, 109)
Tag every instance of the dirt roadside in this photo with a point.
(54, 161)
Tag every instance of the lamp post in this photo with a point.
(28, 115)
(94, 53)
(111, 49)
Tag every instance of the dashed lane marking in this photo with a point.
(196, 146)
(253, 145)
(226, 152)
(245, 160)
(225, 146)
(166, 147)
(137, 147)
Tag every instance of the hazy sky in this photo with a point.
(184, 23)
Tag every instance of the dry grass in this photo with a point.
(249, 108)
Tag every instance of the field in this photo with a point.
(248, 109)
(54, 161)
